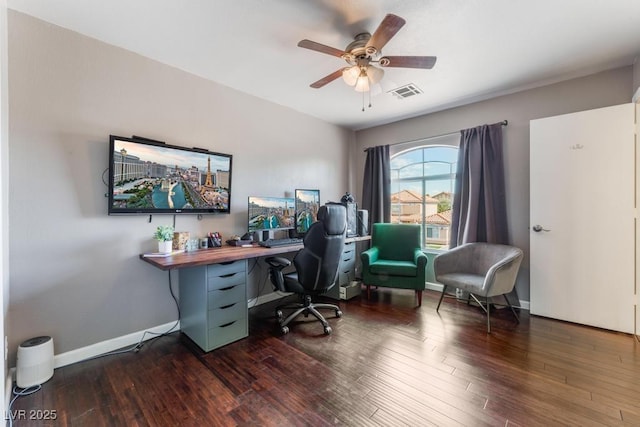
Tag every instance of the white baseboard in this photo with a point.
(8, 389)
(97, 349)
(100, 348)
(434, 286)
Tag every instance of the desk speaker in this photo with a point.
(352, 226)
(34, 364)
(363, 222)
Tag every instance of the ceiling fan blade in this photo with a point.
(388, 28)
(408, 61)
(327, 79)
(318, 47)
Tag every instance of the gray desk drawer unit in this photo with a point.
(346, 270)
(213, 303)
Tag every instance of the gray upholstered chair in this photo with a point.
(482, 269)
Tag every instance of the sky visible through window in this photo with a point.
(433, 166)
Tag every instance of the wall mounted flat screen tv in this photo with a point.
(307, 206)
(150, 177)
(271, 213)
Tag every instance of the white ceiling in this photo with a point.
(484, 48)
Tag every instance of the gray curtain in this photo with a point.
(376, 185)
(479, 206)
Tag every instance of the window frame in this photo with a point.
(448, 141)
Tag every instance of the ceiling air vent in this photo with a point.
(406, 91)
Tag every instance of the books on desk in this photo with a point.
(162, 254)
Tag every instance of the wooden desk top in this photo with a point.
(215, 256)
(225, 253)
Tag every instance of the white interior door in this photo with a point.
(637, 226)
(582, 188)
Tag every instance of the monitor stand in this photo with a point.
(262, 235)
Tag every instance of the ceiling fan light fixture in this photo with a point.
(375, 74)
(364, 51)
(350, 75)
(362, 84)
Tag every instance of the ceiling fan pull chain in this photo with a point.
(369, 99)
(362, 101)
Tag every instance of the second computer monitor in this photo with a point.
(269, 214)
(307, 206)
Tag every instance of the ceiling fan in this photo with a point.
(363, 52)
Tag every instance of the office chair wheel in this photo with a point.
(279, 315)
(338, 313)
(284, 330)
(327, 330)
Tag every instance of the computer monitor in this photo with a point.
(269, 214)
(307, 206)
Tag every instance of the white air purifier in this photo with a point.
(34, 364)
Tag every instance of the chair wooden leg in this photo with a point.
(419, 295)
(368, 292)
(444, 289)
(488, 317)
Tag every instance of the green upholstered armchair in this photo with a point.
(395, 259)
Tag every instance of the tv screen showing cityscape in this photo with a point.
(148, 177)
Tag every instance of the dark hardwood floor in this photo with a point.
(386, 363)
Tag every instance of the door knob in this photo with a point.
(538, 228)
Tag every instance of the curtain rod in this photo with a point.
(503, 123)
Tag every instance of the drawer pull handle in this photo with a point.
(224, 307)
(227, 275)
(228, 288)
(227, 324)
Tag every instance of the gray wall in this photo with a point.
(74, 271)
(599, 90)
(4, 187)
(636, 76)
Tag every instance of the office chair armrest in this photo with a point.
(277, 262)
(276, 265)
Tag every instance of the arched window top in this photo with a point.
(422, 161)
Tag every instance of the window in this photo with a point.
(422, 183)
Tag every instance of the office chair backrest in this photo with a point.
(396, 241)
(317, 263)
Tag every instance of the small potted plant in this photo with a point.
(164, 236)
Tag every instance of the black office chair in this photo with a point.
(316, 267)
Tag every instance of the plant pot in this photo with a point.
(165, 247)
